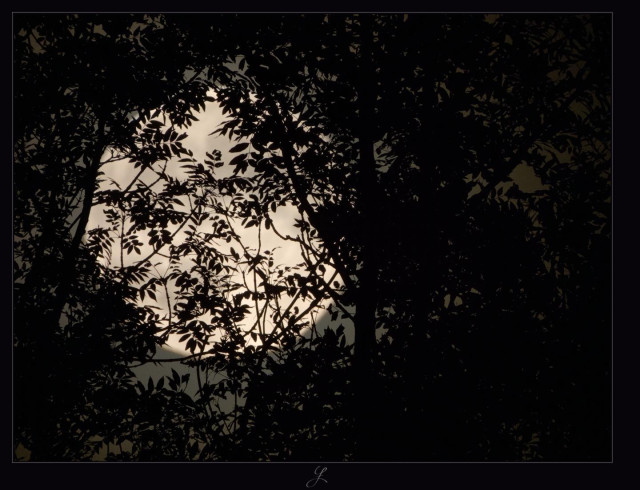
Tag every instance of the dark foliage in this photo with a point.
(452, 178)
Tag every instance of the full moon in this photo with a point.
(277, 242)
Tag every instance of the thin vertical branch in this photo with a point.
(122, 240)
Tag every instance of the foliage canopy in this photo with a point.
(479, 297)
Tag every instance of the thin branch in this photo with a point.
(36, 40)
(199, 379)
(286, 238)
(122, 240)
(166, 292)
(156, 251)
(134, 180)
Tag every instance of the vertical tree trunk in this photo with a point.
(365, 328)
(37, 395)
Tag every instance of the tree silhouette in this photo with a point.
(480, 301)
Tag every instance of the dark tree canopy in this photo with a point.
(452, 178)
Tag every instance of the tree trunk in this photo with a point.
(37, 394)
(365, 328)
